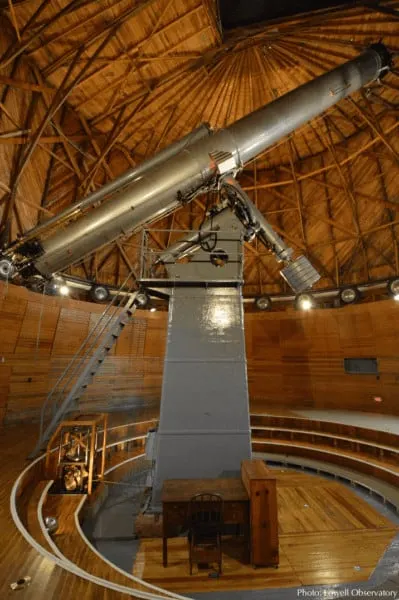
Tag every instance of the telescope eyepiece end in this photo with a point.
(385, 56)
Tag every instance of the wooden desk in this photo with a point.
(176, 496)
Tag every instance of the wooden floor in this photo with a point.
(17, 557)
(326, 533)
(318, 542)
(73, 546)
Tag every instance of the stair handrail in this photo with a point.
(85, 355)
(60, 411)
(101, 325)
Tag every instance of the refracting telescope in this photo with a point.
(203, 161)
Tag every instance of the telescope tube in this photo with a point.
(163, 187)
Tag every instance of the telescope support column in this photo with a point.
(204, 428)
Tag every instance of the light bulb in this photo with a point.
(306, 305)
(64, 290)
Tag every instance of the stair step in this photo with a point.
(89, 368)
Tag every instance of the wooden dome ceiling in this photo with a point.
(89, 89)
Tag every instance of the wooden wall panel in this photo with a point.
(28, 385)
(386, 329)
(12, 310)
(356, 332)
(72, 330)
(39, 335)
(301, 363)
(155, 341)
(38, 329)
(5, 374)
(295, 360)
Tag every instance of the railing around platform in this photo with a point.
(34, 472)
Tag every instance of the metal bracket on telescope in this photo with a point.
(225, 162)
(299, 274)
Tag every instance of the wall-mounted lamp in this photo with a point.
(304, 302)
(349, 295)
(263, 303)
(99, 293)
(142, 299)
(393, 289)
(57, 285)
(63, 290)
(6, 268)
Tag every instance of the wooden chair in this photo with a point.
(205, 529)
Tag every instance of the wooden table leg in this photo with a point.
(165, 551)
(248, 542)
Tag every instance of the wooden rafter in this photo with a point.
(13, 52)
(110, 28)
(348, 187)
(370, 119)
(343, 162)
(16, 169)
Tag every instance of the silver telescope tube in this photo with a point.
(180, 177)
(121, 182)
(262, 128)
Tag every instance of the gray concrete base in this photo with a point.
(204, 422)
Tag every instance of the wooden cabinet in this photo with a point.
(261, 488)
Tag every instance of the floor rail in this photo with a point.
(363, 463)
(299, 423)
(381, 451)
(55, 556)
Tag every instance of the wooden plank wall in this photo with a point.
(30, 364)
(294, 359)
